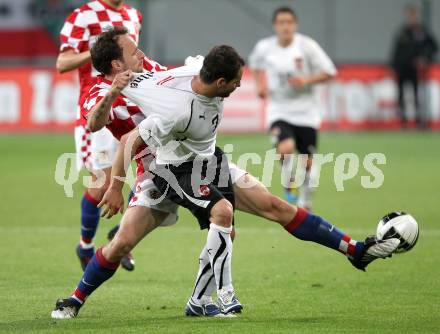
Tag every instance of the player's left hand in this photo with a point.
(112, 202)
(298, 82)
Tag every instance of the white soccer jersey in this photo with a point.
(180, 123)
(302, 57)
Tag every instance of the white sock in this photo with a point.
(219, 249)
(205, 281)
(85, 245)
(305, 193)
(288, 168)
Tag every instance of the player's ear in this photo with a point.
(117, 65)
(221, 82)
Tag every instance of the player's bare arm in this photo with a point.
(113, 200)
(70, 60)
(99, 116)
(260, 83)
(309, 80)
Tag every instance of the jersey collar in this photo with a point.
(107, 6)
(101, 78)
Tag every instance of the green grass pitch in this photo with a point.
(286, 285)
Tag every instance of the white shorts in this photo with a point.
(146, 194)
(94, 150)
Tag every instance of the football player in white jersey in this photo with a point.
(146, 212)
(293, 63)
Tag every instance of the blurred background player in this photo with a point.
(414, 49)
(293, 63)
(95, 151)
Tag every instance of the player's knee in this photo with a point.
(309, 163)
(120, 246)
(285, 147)
(276, 204)
(222, 213)
(274, 208)
(98, 193)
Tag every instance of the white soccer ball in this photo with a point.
(399, 225)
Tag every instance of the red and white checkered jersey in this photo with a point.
(82, 28)
(124, 117)
(124, 114)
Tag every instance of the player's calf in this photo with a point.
(309, 227)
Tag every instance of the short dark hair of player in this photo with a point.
(107, 49)
(284, 9)
(221, 62)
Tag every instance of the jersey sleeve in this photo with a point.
(156, 130)
(257, 56)
(319, 60)
(92, 100)
(75, 34)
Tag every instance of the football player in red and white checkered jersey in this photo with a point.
(95, 151)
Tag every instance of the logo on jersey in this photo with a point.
(204, 190)
(154, 194)
(299, 63)
(135, 82)
(163, 81)
(215, 122)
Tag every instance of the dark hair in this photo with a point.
(283, 9)
(221, 62)
(107, 49)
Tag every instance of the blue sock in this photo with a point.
(90, 215)
(306, 226)
(97, 272)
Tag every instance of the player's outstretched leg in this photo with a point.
(309, 227)
(136, 223)
(303, 225)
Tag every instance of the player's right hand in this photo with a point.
(120, 81)
(112, 202)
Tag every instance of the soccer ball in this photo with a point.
(399, 225)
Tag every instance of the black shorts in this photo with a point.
(197, 186)
(305, 137)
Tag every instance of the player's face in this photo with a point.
(412, 16)
(225, 88)
(115, 3)
(285, 26)
(132, 57)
